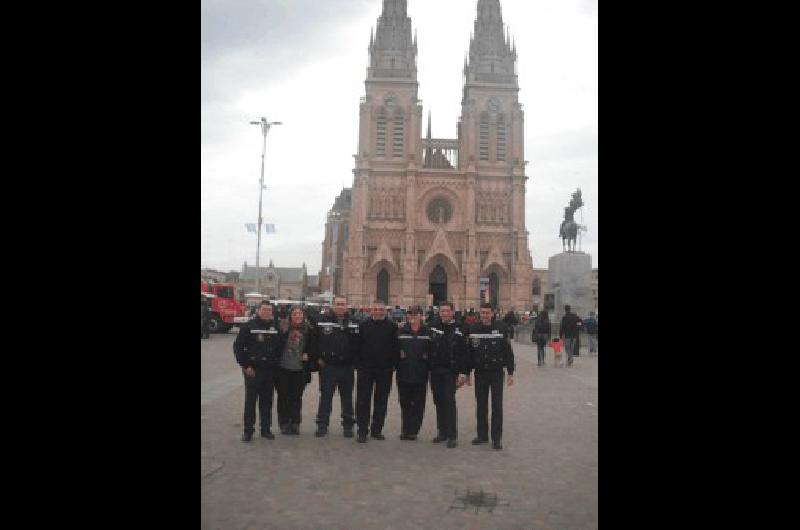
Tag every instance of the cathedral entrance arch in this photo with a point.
(382, 292)
(437, 284)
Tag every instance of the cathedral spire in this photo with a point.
(491, 54)
(393, 52)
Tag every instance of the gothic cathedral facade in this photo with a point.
(435, 219)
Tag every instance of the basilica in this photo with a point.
(430, 219)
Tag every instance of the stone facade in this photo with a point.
(336, 235)
(435, 216)
(278, 282)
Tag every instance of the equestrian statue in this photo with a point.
(569, 228)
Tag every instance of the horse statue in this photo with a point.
(568, 234)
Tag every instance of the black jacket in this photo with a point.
(258, 344)
(490, 350)
(541, 325)
(333, 341)
(451, 347)
(416, 351)
(570, 324)
(378, 347)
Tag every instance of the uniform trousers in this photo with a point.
(412, 405)
(486, 382)
(443, 388)
(259, 389)
(330, 378)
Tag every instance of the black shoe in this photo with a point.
(497, 445)
(322, 430)
(267, 434)
(451, 443)
(479, 440)
(348, 433)
(378, 436)
(247, 436)
(362, 438)
(439, 438)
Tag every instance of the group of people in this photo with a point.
(568, 335)
(281, 356)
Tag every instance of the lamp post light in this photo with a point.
(265, 125)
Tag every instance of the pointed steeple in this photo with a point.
(491, 54)
(429, 124)
(429, 150)
(393, 52)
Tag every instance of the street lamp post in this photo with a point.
(265, 125)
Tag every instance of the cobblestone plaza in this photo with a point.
(544, 478)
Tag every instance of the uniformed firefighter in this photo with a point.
(490, 352)
(377, 354)
(333, 346)
(448, 372)
(257, 351)
(413, 364)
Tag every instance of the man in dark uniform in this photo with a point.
(490, 351)
(257, 349)
(377, 355)
(416, 351)
(333, 345)
(448, 372)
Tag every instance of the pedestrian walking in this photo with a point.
(540, 336)
(590, 324)
(569, 331)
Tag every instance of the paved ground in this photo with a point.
(544, 478)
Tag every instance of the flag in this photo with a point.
(252, 228)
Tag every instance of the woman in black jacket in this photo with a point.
(541, 335)
(294, 370)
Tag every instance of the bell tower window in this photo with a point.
(397, 137)
(380, 141)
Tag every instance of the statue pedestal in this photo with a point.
(570, 278)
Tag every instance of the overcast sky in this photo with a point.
(303, 62)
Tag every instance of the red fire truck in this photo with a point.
(224, 307)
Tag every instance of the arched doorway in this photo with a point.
(383, 287)
(438, 284)
(494, 290)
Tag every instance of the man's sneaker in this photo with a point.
(497, 445)
(439, 438)
(247, 436)
(378, 436)
(267, 434)
(479, 440)
(348, 433)
(321, 431)
(362, 438)
(451, 443)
